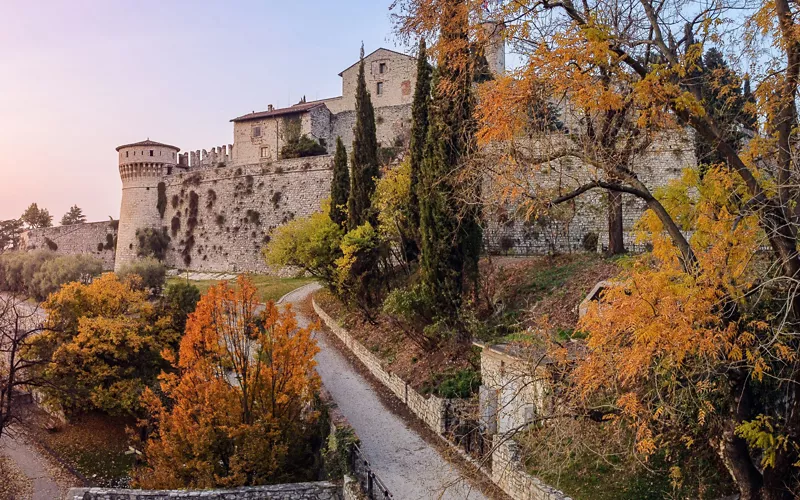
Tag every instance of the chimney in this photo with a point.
(270, 107)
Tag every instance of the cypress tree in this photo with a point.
(419, 130)
(340, 185)
(722, 95)
(451, 235)
(365, 157)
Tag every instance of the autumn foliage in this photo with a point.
(238, 407)
(102, 342)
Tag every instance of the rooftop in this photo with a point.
(148, 142)
(297, 108)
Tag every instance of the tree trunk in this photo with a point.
(733, 450)
(616, 242)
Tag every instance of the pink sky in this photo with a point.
(82, 77)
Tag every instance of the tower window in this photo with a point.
(382, 68)
(380, 88)
(256, 131)
(151, 152)
(126, 153)
(265, 152)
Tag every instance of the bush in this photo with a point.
(151, 273)
(302, 147)
(18, 268)
(454, 384)
(54, 273)
(310, 243)
(152, 242)
(410, 304)
(589, 242)
(179, 301)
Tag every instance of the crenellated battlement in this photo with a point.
(202, 158)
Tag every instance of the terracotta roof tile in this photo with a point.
(297, 108)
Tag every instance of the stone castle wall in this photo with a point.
(392, 124)
(96, 239)
(564, 230)
(236, 208)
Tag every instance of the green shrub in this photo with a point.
(410, 304)
(309, 243)
(18, 268)
(454, 384)
(152, 242)
(179, 301)
(302, 147)
(152, 274)
(56, 272)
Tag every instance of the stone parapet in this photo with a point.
(322, 490)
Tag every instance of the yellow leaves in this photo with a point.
(760, 434)
(688, 103)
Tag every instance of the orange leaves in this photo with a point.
(241, 398)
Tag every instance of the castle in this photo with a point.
(219, 206)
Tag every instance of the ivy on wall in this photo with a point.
(161, 204)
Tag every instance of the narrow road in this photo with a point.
(411, 468)
(30, 462)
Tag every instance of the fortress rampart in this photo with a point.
(97, 239)
(219, 218)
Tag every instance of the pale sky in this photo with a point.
(79, 77)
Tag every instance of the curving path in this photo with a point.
(411, 468)
(28, 459)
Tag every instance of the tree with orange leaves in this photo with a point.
(697, 345)
(238, 410)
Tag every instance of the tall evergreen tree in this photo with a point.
(451, 235)
(419, 133)
(722, 93)
(365, 157)
(73, 216)
(749, 119)
(340, 185)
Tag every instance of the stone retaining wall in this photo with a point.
(431, 410)
(322, 490)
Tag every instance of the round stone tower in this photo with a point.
(142, 166)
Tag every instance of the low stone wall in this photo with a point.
(431, 410)
(322, 490)
(508, 472)
(96, 239)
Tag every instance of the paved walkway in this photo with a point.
(411, 468)
(30, 462)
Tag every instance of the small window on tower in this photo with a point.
(256, 131)
(382, 68)
(380, 88)
(127, 153)
(265, 152)
(151, 152)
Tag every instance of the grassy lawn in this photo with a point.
(269, 287)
